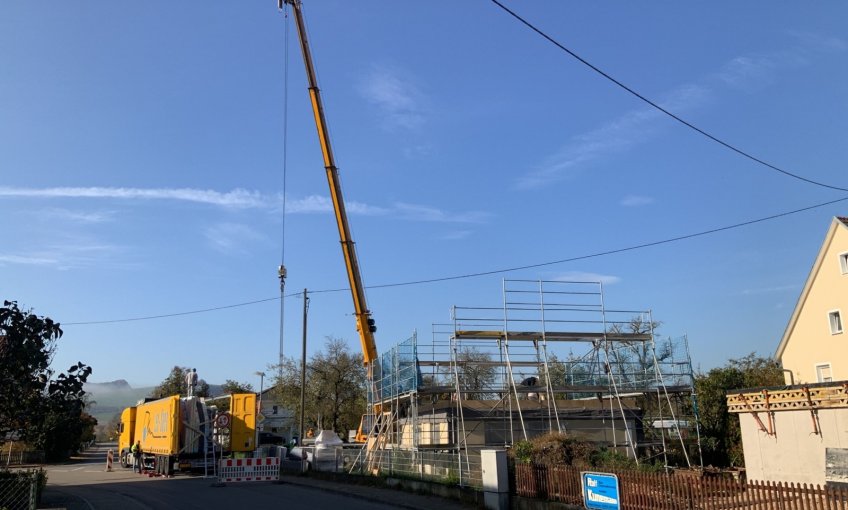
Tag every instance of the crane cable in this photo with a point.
(281, 271)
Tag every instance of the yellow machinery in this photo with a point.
(364, 323)
(186, 433)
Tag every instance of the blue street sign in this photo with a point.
(600, 491)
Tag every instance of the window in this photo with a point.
(274, 410)
(843, 262)
(823, 373)
(835, 322)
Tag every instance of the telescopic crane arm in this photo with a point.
(364, 323)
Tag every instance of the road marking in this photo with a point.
(87, 502)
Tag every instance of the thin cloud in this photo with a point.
(237, 198)
(309, 204)
(636, 201)
(241, 199)
(398, 99)
(232, 238)
(748, 73)
(70, 253)
(581, 276)
(418, 212)
(75, 216)
(26, 260)
(768, 290)
(323, 204)
(613, 137)
(819, 42)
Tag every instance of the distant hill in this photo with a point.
(113, 397)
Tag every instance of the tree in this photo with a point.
(721, 438)
(338, 379)
(230, 386)
(635, 361)
(110, 430)
(335, 396)
(175, 384)
(46, 412)
(476, 373)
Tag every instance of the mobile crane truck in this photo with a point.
(187, 433)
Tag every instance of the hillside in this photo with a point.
(112, 397)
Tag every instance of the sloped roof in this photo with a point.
(838, 222)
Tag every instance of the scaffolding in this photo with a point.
(551, 357)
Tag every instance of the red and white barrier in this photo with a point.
(109, 461)
(249, 470)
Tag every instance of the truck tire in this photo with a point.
(124, 461)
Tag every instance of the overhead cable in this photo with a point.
(660, 108)
(484, 273)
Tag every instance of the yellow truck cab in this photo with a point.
(125, 435)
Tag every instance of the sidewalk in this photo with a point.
(387, 496)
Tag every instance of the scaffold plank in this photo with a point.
(570, 336)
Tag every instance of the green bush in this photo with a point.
(523, 452)
(558, 449)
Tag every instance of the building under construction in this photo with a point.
(551, 357)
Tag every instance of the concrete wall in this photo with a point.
(794, 454)
(810, 341)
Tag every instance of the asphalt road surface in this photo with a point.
(84, 484)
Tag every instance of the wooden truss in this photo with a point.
(794, 398)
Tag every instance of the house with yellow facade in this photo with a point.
(799, 433)
(814, 347)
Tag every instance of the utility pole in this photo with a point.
(303, 367)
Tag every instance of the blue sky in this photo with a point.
(141, 151)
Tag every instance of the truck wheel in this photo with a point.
(124, 463)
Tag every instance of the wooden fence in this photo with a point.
(661, 491)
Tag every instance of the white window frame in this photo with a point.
(843, 262)
(818, 374)
(830, 322)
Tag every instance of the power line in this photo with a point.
(485, 273)
(618, 250)
(660, 108)
(177, 314)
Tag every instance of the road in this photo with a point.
(84, 484)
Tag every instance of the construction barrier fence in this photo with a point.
(265, 469)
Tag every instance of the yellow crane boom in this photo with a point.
(364, 323)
